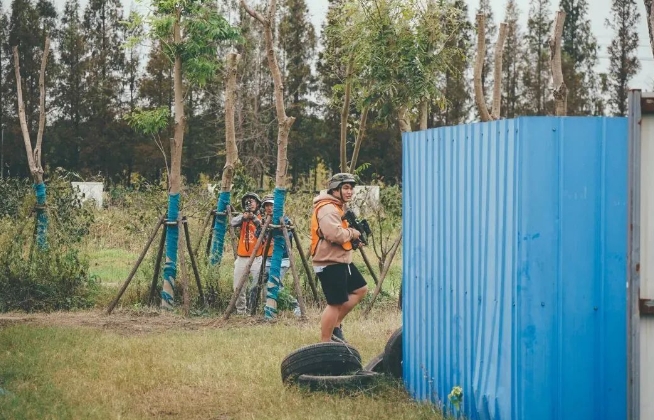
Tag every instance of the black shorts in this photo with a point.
(340, 280)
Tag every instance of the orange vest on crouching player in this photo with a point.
(248, 239)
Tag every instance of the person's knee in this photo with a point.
(361, 292)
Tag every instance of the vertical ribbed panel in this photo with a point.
(515, 267)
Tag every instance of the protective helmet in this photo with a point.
(338, 179)
(268, 199)
(250, 195)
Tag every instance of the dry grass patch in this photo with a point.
(149, 365)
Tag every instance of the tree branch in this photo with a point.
(497, 75)
(39, 136)
(230, 130)
(21, 116)
(650, 22)
(258, 16)
(360, 136)
(345, 112)
(560, 89)
(284, 122)
(479, 64)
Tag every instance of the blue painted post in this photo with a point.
(274, 280)
(220, 228)
(170, 267)
(41, 216)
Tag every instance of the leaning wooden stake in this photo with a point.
(560, 89)
(246, 273)
(296, 278)
(310, 273)
(387, 266)
(112, 305)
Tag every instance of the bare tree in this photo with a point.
(560, 89)
(34, 155)
(479, 63)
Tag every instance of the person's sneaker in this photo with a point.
(337, 335)
(297, 312)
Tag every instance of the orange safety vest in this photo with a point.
(247, 241)
(316, 235)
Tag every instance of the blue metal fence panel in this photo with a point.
(514, 266)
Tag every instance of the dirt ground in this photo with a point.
(130, 322)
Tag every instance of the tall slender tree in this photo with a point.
(513, 50)
(579, 58)
(535, 62)
(104, 63)
(190, 32)
(491, 36)
(297, 41)
(69, 89)
(455, 108)
(624, 63)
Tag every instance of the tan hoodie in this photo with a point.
(329, 250)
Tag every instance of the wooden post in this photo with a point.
(387, 266)
(194, 266)
(367, 261)
(113, 304)
(246, 274)
(296, 279)
(157, 267)
(204, 229)
(309, 272)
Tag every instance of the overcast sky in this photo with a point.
(599, 12)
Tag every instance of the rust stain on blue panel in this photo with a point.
(515, 267)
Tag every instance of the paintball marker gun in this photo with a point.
(361, 225)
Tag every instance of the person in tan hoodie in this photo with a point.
(331, 249)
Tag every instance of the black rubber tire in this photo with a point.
(393, 355)
(358, 381)
(376, 364)
(321, 359)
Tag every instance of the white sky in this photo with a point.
(598, 13)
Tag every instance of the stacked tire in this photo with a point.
(336, 366)
(326, 367)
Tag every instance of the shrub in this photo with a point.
(57, 277)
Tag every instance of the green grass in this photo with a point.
(112, 265)
(51, 370)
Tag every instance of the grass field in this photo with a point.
(140, 362)
(133, 365)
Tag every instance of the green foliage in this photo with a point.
(399, 45)
(13, 192)
(151, 121)
(56, 278)
(203, 30)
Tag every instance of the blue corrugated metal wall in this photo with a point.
(514, 267)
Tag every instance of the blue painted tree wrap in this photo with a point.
(220, 228)
(279, 247)
(41, 216)
(170, 267)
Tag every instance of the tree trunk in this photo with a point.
(345, 113)
(220, 225)
(649, 12)
(404, 120)
(360, 136)
(497, 82)
(34, 156)
(424, 114)
(284, 127)
(479, 64)
(560, 90)
(175, 181)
